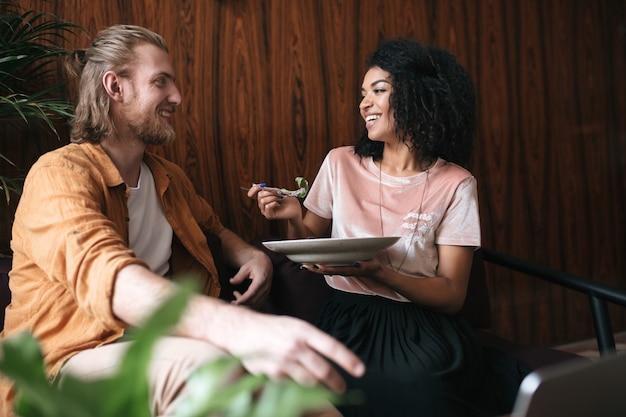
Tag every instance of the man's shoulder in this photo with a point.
(70, 153)
(85, 159)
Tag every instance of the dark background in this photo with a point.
(269, 86)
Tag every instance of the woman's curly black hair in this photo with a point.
(432, 100)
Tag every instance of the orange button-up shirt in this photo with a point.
(70, 238)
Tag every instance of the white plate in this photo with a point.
(331, 251)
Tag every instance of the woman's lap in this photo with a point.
(419, 362)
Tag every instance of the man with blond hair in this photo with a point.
(103, 226)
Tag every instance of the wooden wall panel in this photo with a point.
(299, 138)
(269, 86)
(243, 96)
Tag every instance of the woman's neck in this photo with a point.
(400, 161)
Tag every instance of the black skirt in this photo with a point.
(419, 362)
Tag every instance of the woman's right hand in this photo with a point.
(274, 205)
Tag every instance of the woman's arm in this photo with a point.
(444, 292)
(312, 225)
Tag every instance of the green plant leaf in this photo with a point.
(124, 393)
(9, 185)
(212, 390)
(218, 386)
(293, 399)
(22, 362)
(30, 45)
(206, 389)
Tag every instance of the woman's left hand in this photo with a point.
(370, 268)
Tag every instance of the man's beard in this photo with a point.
(153, 133)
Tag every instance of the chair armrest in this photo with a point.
(599, 294)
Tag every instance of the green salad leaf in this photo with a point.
(301, 192)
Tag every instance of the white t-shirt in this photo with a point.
(347, 190)
(150, 233)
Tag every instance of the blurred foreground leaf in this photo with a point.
(216, 387)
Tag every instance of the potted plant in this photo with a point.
(29, 48)
(31, 103)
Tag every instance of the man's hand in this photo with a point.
(259, 271)
(286, 347)
(252, 264)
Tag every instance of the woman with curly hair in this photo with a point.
(405, 177)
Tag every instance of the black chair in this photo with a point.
(599, 294)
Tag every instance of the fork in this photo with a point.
(279, 192)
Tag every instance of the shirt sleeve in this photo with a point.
(319, 200)
(460, 225)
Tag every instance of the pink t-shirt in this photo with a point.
(347, 190)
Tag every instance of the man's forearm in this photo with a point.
(236, 250)
(137, 293)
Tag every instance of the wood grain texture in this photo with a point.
(269, 86)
